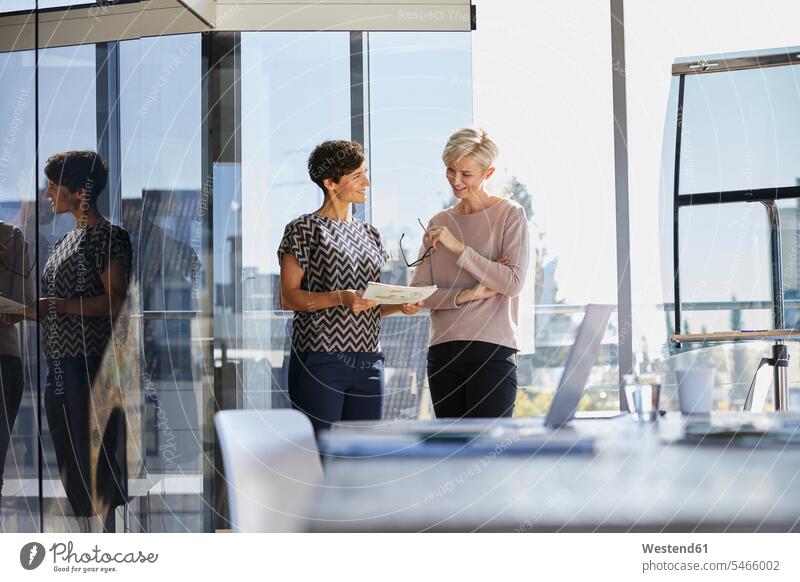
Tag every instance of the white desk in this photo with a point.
(634, 482)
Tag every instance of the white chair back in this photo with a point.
(272, 468)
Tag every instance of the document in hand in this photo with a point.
(397, 294)
(10, 306)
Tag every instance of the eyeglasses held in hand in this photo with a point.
(428, 252)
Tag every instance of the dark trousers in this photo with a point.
(334, 386)
(91, 488)
(11, 386)
(471, 379)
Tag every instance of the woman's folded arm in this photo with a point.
(507, 279)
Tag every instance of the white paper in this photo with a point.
(10, 306)
(397, 294)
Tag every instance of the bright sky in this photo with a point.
(542, 84)
(542, 87)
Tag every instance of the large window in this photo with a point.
(164, 205)
(141, 105)
(67, 121)
(138, 104)
(19, 474)
(16, 5)
(740, 134)
(542, 86)
(420, 92)
(295, 94)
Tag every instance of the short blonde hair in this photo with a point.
(470, 141)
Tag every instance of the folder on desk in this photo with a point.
(744, 430)
(453, 444)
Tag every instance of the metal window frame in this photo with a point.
(107, 100)
(80, 25)
(106, 21)
(706, 65)
(359, 106)
(74, 6)
(621, 197)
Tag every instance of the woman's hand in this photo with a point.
(411, 308)
(476, 293)
(31, 313)
(479, 291)
(47, 305)
(9, 319)
(437, 235)
(352, 300)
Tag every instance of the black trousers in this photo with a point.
(11, 386)
(471, 379)
(91, 488)
(331, 387)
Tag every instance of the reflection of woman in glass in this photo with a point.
(84, 285)
(476, 252)
(327, 259)
(17, 285)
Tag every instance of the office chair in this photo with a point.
(272, 468)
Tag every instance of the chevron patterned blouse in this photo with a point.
(335, 255)
(73, 270)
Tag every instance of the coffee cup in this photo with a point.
(694, 389)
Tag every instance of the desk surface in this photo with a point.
(636, 481)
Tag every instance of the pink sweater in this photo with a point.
(499, 230)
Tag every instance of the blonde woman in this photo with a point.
(476, 252)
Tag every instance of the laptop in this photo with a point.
(579, 365)
(373, 436)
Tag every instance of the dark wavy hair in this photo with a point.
(77, 170)
(333, 159)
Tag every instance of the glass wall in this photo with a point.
(165, 205)
(420, 91)
(138, 430)
(16, 5)
(739, 134)
(67, 111)
(19, 454)
(295, 94)
(142, 105)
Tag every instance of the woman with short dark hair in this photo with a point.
(84, 285)
(327, 259)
